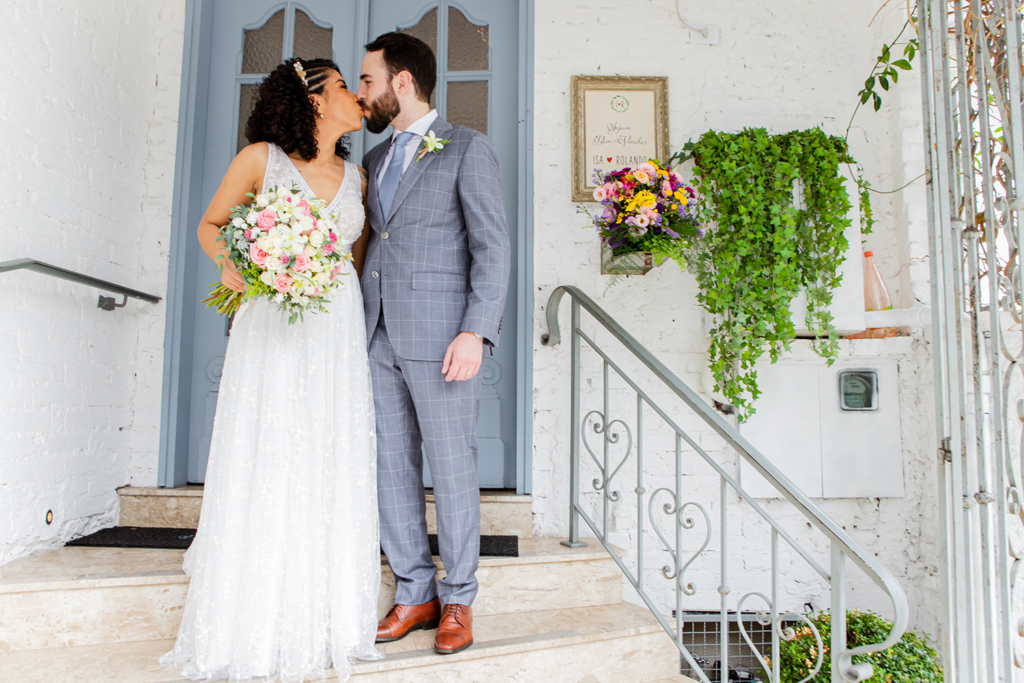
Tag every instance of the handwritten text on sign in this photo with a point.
(620, 130)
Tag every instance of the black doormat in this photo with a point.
(181, 539)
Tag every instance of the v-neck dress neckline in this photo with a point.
(341, 187)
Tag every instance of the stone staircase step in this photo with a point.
(619, 643)
(90, 596)
(501, 512)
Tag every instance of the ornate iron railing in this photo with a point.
(672, 501)
(105, 302)
(973, 94)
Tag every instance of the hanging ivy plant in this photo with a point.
(763, 248)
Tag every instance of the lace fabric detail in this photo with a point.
(285, 567)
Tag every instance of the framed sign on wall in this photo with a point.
(617, 121)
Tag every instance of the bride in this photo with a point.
(285, 568)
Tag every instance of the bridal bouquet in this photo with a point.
(286, 248)
(646, 209)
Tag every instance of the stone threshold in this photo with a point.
(76, 568)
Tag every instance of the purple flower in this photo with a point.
(701, 231)
(609, 214)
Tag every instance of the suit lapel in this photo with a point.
(372, 201)
(417, 168)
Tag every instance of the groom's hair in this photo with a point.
(403, 52)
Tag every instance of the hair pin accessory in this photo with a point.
(301, 72)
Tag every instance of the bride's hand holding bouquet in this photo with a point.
(280, 246)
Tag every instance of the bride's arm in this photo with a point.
(359, 248)
(245, 174)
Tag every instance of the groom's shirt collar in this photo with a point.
(418, 128)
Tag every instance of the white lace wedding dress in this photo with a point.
(285, 567)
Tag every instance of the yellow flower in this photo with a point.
(643, 198)
(629, 177)
(675, 207)
(663, 174)
(619, 219)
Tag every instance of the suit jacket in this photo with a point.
(439, 261)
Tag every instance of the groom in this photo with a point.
(434, 285)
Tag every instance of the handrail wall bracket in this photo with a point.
(105, 302)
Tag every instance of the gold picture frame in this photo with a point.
(617, 121)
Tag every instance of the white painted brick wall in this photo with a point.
(87, 131)
(780, 67)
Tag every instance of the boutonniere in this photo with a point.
(431, 143)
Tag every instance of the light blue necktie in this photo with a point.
(393, 174)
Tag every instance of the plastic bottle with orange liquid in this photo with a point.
(876, 298)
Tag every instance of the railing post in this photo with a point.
(574, 447)
(723, 589)
(838, 647)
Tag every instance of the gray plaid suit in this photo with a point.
(437, 265)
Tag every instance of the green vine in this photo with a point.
(763, 249)
(911, 660)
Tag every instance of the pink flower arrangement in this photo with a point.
(287, 248)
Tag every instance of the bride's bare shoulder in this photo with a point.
(254, 155)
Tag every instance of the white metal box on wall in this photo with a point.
(834, 431)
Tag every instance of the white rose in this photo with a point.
(265, 243)
(262, 200)
(316, 238)
(267, 278)
(321, 279)
(310, 251)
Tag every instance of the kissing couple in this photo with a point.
(316, 459)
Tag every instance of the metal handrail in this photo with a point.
(106, 303)
(842, 545)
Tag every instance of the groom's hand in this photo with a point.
(463, 358)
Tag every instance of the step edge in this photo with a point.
(155, 492)
(421, 658)
(176, 576)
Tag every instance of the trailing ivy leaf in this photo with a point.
(903, 63)
(884, 82)
(878, 101)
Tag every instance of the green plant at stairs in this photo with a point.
(911, 660)
(763, 248)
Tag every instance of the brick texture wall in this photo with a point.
(87, 127)
(782, 67)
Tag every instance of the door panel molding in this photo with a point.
(188, 207)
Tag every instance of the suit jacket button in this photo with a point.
(376, 274)
(384, 236)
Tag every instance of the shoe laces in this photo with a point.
(458, 614)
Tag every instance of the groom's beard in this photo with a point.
(382, 111)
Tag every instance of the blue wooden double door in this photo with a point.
(477, 45)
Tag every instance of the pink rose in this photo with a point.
(304, 207)
(257, 255)
(302, 263)
(328, 248)
(283, 283)
(265, 221)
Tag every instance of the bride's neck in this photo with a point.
(325, 144)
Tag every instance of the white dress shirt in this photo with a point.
(419, 128)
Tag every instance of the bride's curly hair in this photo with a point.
(284, 114)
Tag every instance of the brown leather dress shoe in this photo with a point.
(402, 619)
(455, 632)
